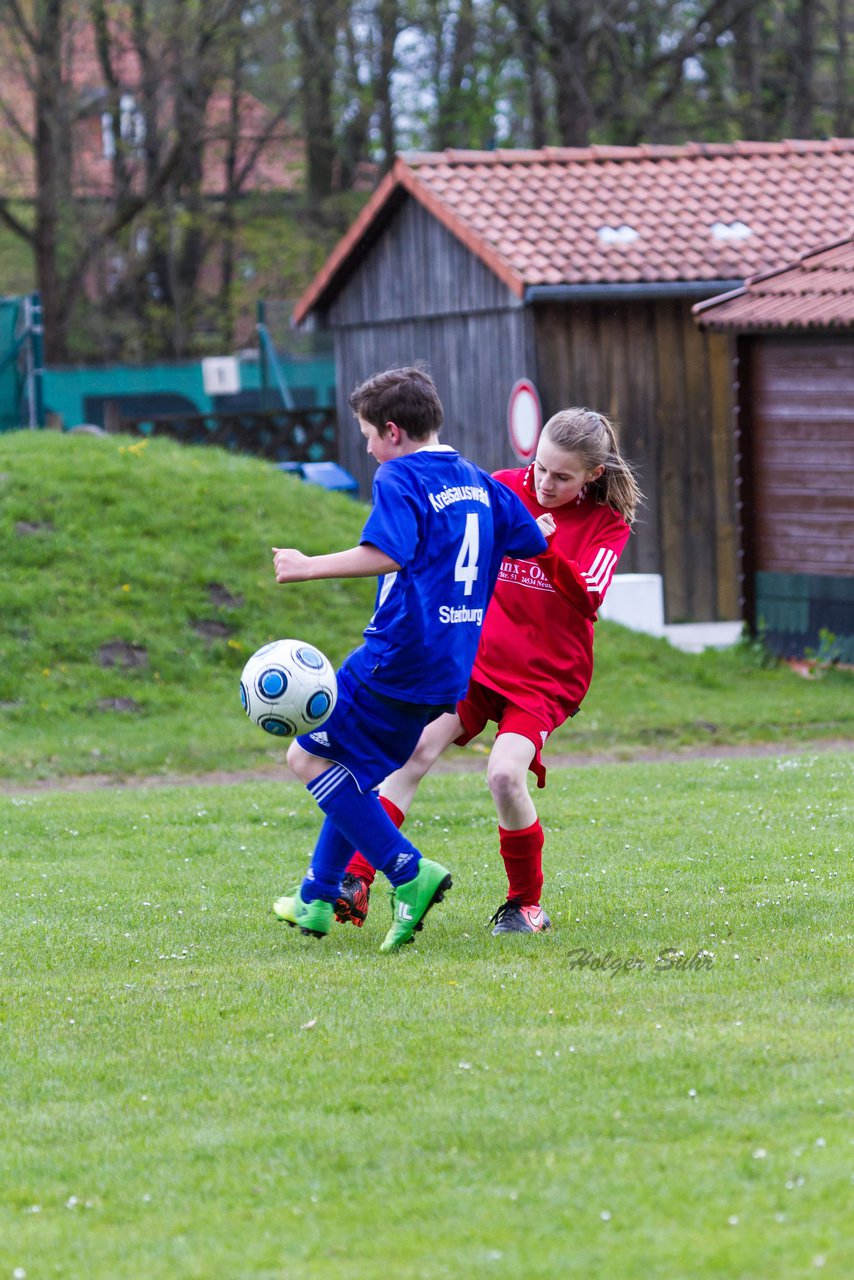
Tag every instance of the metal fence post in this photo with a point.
(35, 359)
(260, 317)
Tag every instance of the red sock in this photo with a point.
(358, 865)
(522, 852)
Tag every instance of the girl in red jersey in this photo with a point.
(535, 658)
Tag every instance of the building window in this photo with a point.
(131, 127)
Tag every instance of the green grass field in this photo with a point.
(192, 1091)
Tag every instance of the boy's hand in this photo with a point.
(546, 524)
(364, 561)
(290, 565)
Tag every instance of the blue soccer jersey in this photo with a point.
(448, 525)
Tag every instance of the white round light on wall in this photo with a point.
(524, 419)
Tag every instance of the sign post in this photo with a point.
(524, 419)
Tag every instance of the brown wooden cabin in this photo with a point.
(578, 269)
(794, 393)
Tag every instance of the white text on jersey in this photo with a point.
(458, 493)
(447, 613)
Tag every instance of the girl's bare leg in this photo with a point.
(507, 776)
(400, 786)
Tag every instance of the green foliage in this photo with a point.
(754, 650)
(280, 247)
(192, 1089)
(17, 271)
(111, 541)
(828, 653)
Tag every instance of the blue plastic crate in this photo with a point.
(327, 474)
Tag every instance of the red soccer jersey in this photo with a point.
(536, 647)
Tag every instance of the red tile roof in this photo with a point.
(815, 292)
(618, 215)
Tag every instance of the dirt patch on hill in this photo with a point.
(463, 762)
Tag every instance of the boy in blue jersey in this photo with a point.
(436, 537)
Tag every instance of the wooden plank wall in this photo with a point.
(646, 365)
(419, 294)
(474, 360)
(416, 268)
(802, 426)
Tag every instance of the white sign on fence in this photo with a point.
(220, 375)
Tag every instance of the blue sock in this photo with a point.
(331, 855)
(361, 823)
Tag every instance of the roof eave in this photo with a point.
(625, 291)
(400, 177)
(756, 327)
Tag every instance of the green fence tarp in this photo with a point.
(12, 409)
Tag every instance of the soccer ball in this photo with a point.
(288, 687)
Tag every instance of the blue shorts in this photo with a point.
(369, 735)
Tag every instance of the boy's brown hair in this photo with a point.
(407, 397)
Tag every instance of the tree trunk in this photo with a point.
(803, 67)
(568, 64)
(317, 26)
(228, 220)
(842, 115)
(389, 20)
(453, 125)
(53, 177)
(528, 41)
(747, 56)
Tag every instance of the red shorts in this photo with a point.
(482, 704)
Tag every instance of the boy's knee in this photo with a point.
(298, 762)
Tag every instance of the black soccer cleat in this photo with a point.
(353, 900)
(512, 917)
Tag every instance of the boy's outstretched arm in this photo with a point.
(365, 561)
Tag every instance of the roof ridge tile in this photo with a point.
(597, 151)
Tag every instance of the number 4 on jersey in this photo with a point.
(465, 570)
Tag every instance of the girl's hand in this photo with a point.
(546, 524)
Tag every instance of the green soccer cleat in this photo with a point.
(410, 902)
(312, 918)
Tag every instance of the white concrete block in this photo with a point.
(636, 600)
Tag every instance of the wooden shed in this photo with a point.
(794, 392)
(578, 269)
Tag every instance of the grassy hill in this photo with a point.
(137, 579)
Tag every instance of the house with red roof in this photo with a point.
(793, 388)
(278, 166)
(577, 270)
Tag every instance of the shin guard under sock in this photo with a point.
(358, 864)
(522, 852)
(323, 878)
(361, 820)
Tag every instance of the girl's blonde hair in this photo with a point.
(594, 438)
